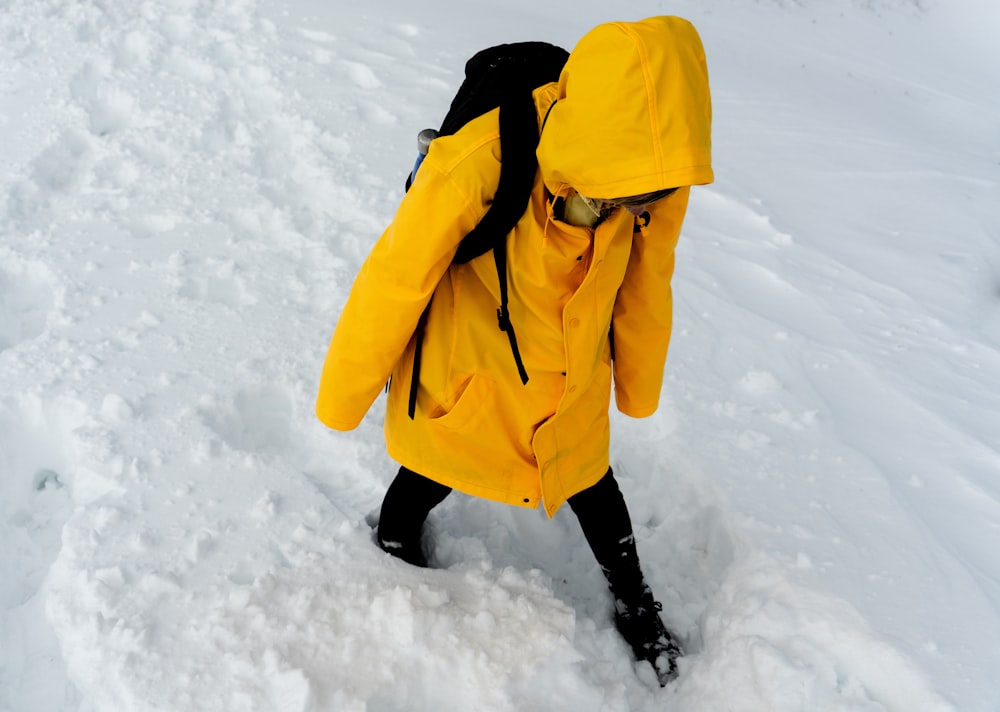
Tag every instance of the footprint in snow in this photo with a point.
(28, 304)
(36, 441)
(225, 285)
(256, 420)
(362, 75)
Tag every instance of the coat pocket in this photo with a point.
(470, 401)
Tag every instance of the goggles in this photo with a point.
(603, 206)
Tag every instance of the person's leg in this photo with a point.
(408, 501)
(607, 527)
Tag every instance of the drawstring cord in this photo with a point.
(550, 212)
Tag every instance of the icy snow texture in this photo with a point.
(188, 189)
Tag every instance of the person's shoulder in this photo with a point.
(476, 144)
(470, 158)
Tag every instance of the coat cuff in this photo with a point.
(334, 422)
(635, 410)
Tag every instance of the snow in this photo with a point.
(188, 188)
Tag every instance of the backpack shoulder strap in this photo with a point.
(510, 72)
(518, 164)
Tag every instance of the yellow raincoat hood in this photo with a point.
(634, 112)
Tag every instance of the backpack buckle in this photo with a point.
(503, 320)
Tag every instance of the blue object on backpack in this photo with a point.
(424, 139)
(416, 165)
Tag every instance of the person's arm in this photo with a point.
(389, 294)
(643, 313)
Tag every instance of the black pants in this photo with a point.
(601, 510)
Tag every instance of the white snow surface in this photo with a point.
(187, 188)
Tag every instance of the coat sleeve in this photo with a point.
(390, 292)
(643, 312)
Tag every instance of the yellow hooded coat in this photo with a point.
(631, 114)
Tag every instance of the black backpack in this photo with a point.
(503, 76)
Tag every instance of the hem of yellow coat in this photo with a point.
(493, 495)
(551, 509)
(457, 483)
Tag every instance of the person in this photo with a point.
(625, 133)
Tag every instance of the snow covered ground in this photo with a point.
(187, 188)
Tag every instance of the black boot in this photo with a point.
(407, 503)
(637, 618)
(410, 551)
(607, 526)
